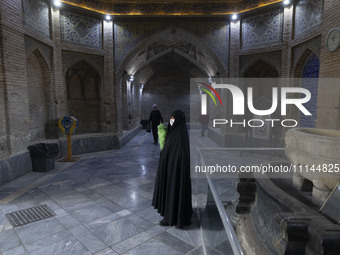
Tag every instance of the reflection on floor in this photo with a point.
(102, 205)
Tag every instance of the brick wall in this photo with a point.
(36, 98)
(329, 91)
(14, 76)
(4, 149)
(18, 75)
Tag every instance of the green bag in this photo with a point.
(162, 132)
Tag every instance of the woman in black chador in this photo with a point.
(172, 193)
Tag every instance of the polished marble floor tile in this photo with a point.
(131, 242)
(48, 240)
(90, 213)
(8, 240)
(88, 239)
(70, 246)
(107, 251)
(103, 207)
(153, 246)
(37, 230)
(174, 242)
(20, 250)
(116, 231)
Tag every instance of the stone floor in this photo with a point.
(102, 205)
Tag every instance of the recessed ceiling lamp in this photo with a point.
(57, 3)
(234, 17)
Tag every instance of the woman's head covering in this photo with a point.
(178, 132)
(180, 122)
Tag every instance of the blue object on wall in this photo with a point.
(311, 72)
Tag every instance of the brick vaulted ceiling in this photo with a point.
(171, 7)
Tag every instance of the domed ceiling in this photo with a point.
(171, 7)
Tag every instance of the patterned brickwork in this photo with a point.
(308, 16)
(81, 30)
(37, 16)
(128, 34)
(262, 30)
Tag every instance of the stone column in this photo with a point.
(286, 36)
(58, 79)
(119, 80)
(109, 95)
(235, 44)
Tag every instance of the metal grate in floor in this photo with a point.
(23, 217)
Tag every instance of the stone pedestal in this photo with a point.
(316, 154)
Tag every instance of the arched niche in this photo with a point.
(262, 77)
(267, 75)
(40, 97)
(310, 81)
(84, 96)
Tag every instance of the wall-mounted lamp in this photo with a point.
(234, 17)
(57, 3)
(286, 2)
(132, 78)
(108, 17)
(141, 86)
(210, 79)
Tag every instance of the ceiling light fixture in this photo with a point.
(234, 17)
(57, 3)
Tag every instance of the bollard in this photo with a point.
(68, 125)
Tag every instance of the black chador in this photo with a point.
(172, 193)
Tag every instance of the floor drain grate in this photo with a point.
(23, 217)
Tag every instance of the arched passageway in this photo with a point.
(162, 66)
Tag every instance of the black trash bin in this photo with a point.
(144, 123)
(43, 156)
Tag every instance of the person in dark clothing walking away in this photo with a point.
(155, 119)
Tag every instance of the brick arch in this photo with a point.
(86, 59)
(262, 91)
(215, 65)
(298, 69)
(40, 97)
(83, 84)
(269, 69)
